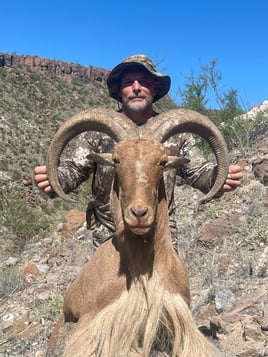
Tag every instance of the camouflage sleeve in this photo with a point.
(72, 172)
(199, 173)
(71, 175)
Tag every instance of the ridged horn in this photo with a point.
(176, 121)
(103, 120)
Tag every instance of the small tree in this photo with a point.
(194, 97)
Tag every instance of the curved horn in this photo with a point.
(107, 121)
(177, 121)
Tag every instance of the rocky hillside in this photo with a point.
(44, 243)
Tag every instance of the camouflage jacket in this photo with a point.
(72, 172)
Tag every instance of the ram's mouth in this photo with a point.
(139, 225)
(140, 229)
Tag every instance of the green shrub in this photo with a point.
(22, 221)
(3, 72)
(49, 309)
(11, 280)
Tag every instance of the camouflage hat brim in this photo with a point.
(114, 78)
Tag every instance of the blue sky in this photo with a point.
(178, 35)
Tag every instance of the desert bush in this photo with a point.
(11, 280)
(50, 309)
(254, 235)
(241, 131)
(21, 220)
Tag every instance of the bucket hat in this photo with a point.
(136, 61)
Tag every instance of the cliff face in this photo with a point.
(64, 70)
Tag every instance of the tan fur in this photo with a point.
(132, 297)
(130, 326)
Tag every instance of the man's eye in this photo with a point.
(127, 83)
(145, 83)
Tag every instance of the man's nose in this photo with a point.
(136, 85)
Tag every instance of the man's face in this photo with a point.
(138, 89)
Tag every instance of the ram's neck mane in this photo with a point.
(146, 317)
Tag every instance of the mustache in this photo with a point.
(136, 96)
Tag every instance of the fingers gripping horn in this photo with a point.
(103, 120)
(177, 121)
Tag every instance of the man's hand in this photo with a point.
(40, 177)
(233, 179)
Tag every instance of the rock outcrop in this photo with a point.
(64, 70)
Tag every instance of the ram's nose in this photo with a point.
(139, 212)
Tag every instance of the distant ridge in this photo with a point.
(64, 70)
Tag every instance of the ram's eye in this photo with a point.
(116, 160)
(163, 163)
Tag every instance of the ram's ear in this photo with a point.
(104, 159)
(175, 161)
